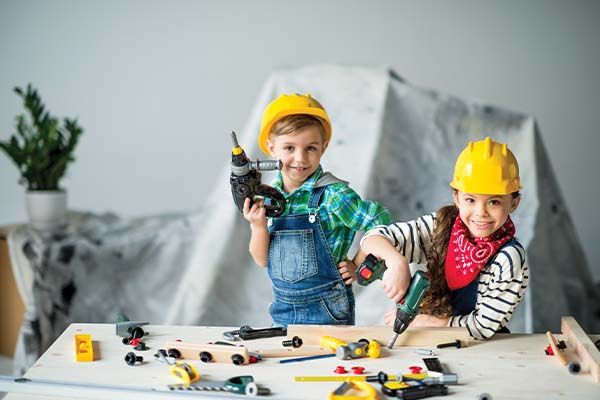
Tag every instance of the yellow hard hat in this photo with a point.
(486, 167)
(290, 104)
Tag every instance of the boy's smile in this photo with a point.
(300, 153)
(484, 214)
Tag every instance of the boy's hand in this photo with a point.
(256, 215)
(396, 279)
(347, 271)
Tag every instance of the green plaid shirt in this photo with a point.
(341, 211)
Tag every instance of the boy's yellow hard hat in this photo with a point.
(290, 104)
(486, 167)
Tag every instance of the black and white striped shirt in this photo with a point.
(502, 282)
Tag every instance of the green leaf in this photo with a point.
(42, 147)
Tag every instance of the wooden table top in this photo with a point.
(511, 366)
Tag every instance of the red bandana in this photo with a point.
(466, 256)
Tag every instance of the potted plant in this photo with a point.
(41, 149)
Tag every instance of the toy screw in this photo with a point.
(295, 342)
(574, 367)
(141, 346)
(138, 332)
(424, 352)
(456, 344)
(131, 358)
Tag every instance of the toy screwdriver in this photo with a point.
(407, 309)
(245, 181)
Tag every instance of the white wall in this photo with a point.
(158, 85)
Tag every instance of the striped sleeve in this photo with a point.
(501, 287)
(410, 238)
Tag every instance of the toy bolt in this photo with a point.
(141, 346)
(340, 370)
(456, 344)
(131, 358)
(574, 367)
(424, 352)
(357, 370)
(415, 369)
(295, 342)
(138, 332)
(381, 377)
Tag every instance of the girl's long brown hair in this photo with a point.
(437, 300)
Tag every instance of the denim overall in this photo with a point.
(463, 300)
(307, 286)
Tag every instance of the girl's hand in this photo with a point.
(396, 279)
(425, 320)
(347, 271)
(256, 215)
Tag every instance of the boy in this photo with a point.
(305, 249)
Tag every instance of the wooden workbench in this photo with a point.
(507, 367)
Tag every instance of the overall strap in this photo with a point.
(315, 198)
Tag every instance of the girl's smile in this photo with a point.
(484, 214)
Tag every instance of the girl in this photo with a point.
(476, 266)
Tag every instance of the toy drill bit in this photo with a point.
(408, 308)
(245, 181)
(372, 269)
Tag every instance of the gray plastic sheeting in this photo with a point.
(394, 142)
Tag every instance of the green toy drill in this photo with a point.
(407, 309)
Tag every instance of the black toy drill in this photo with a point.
(245, 181)
(372, 269)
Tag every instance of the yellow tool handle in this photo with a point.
(374, 349)
(331, 342)
(367, 392)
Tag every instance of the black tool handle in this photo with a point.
(277, 206)
(248, 333)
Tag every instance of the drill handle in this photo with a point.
(370, 270)
(416, 291)
(277, 201)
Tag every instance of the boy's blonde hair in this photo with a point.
(292, 123)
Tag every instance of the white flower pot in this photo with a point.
(47, 209)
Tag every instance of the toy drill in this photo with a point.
(245, 181)
(372, 269)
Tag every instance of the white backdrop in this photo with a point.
(158, 85)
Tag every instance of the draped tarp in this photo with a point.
(395, 143)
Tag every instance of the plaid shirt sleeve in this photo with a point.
(348, 209)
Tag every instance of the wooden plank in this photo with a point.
(291, 352)
(311, 334)
(219, 353)
(557, 352)
(11, 304)
(585, 349)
